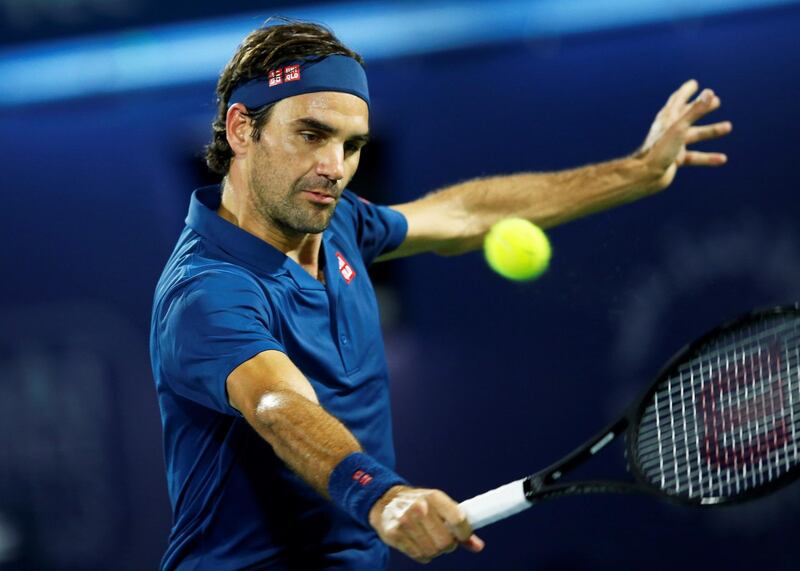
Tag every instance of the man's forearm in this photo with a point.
(308, 439)
(455, 219)
(547, 199)
(552, 198)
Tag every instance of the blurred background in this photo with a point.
(105, 106)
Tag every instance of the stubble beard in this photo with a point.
(287, 210)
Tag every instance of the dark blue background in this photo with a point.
(491, 380)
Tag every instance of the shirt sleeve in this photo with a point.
(379, 229)
(211, 324)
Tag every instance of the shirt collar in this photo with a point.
(255, 252)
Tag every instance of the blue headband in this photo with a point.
(332, 73)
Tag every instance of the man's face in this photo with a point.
(307, 154)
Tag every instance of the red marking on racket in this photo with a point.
(728, 412)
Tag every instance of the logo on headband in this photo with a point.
(284, 75)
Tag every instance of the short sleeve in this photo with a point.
(379, 229)
(209, 325)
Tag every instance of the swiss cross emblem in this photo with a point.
(347, 272)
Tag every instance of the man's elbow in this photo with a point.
(273, 407)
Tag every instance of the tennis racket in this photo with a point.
(720, 424)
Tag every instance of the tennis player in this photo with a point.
(265, 342)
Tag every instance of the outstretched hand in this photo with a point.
(664, 150)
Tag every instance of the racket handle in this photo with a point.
(495, 505)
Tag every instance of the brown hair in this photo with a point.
(263, 49)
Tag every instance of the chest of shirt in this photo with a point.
(330, 331)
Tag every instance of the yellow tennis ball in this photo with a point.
(517, 249)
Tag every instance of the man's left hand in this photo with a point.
(664, 149)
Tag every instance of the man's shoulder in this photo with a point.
(347, 205)
(350, 211)
(354, 201)
(192, 271)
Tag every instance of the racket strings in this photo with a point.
(726, 421)
(771, 404)
(711, 358)
(765, 398)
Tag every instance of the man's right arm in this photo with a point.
(281, 405)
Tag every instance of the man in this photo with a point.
(265, 342)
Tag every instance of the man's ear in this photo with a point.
(237, 129)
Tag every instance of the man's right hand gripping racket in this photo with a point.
(720, 424)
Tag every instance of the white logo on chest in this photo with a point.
(345, 270)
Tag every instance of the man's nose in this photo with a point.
(330, 162)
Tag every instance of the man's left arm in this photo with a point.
(455, 219)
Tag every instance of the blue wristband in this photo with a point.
(358, 482)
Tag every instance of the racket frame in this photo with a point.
(546, 484)
(681, 356)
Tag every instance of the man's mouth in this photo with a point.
(319, 196)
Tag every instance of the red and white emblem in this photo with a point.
(284, 75)
(362, 477)
(291, 73)
(275, 77)
(347, 272)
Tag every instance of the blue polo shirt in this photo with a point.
(225, 296)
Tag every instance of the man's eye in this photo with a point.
(310, 137)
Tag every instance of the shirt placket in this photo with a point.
(337, 289)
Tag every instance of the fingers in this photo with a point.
(704, 104)
(474, 544)
(698, 159)
(457, 522)
(674, 128)
(676, 104)
(407, 533)
(452, 515)
(427, 540)
(705, 132)
(434, 538)
(683, 93)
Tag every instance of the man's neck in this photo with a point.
(302, 248)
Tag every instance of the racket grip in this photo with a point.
(496, 504)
